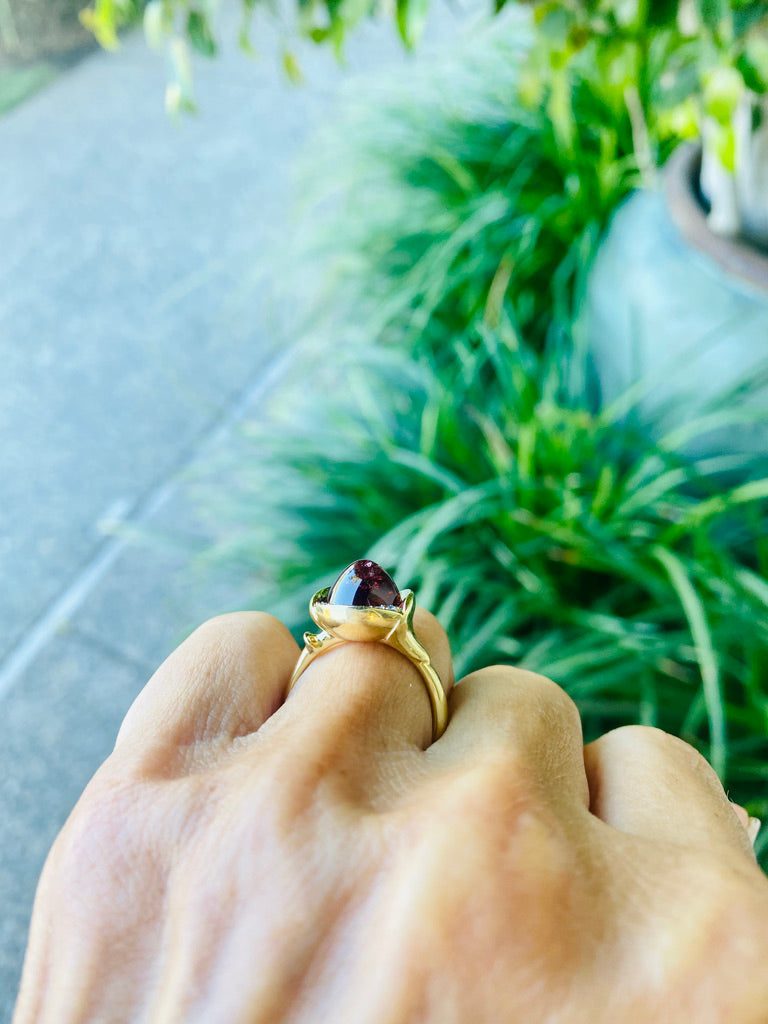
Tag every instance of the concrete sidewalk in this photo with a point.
(133, 336)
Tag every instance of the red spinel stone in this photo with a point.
(364, 584)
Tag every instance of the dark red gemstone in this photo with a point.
(364, 584)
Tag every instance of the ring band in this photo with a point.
(364, 605)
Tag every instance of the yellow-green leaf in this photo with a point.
(292, 68)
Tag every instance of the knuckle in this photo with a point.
(541, 695)
(215, 634)
(541, 684)
(100, 837)
(734, 918)
(496, 783)
(546, 686)
(710, 917)
(229, 621)
(485, 844)
(497, 802)
(238, 631)
(643, 742)
(557, 704)
(288, 789)
(501, 780)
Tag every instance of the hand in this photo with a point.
(240, 860)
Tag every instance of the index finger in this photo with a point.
(224, 681)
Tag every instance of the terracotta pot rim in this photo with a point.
(734, 256)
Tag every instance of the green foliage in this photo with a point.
(180, 25)
(668, 65)
(660, 70)
(106, 17)
(200, 34)
(541, 532)
(456, 200)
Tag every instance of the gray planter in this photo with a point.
(680, 316)
(36, 28)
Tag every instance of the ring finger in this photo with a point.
(525, 718)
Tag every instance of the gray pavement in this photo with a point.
(126, 329)
(135, 332)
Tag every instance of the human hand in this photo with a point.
(243, 860)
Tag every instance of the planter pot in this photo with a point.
(680, 316)
(30, 29)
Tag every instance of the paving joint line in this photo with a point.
(61, 609)
(114, 652)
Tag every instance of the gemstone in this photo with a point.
(364, 584)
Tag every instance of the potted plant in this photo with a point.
(677, 301)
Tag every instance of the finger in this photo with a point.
(225, 680)
(523, 716)
(367, 692)
(647, 782)
(752, 825)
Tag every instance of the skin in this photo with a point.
(245, 859)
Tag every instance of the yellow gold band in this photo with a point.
(391, 626)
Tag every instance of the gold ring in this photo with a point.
(364, 604)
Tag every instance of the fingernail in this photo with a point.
(753, 828)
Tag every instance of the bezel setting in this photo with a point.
(351, 622)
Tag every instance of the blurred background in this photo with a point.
(480, 293)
